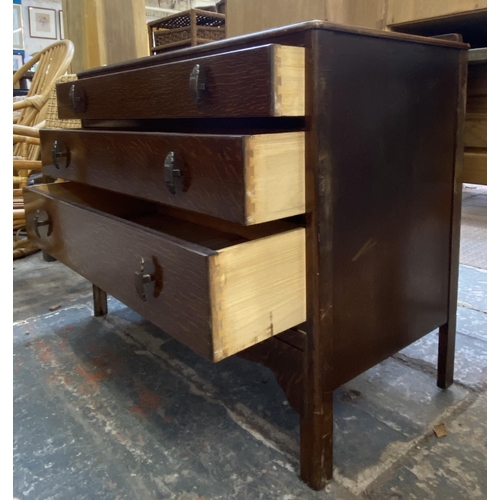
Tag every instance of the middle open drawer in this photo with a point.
(247, 179)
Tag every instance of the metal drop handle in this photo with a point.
(197, 85)
(144, 278)
(171, 173)
(78, 98)
(60, 151)
(42, 219)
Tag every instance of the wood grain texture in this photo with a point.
(294, 35)
(365, 13)
(106, 251)
(103, 37)
(450, 36)
(238, 83)
(132, 163)
(244, 17)
(475, 170)
(100, 301)
(289, 81)
(124, 32)
(447, 331)
(316, 439)
(34, 165)
(248, 17)
(249, 233)
(476, 130)
(245, 179)
(78, 32)
(287, 364)
(256, 288)
(380, 211)
(316, 423)
(406, 11)
(392, 274)
(274, 176)
(471, 25)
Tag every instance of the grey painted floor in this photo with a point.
(112, 408)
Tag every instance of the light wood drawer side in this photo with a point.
(257, 289)
(274, 176)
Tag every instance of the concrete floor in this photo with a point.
(112, 408)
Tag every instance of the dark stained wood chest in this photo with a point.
(291, 196)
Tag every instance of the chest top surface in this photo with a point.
(294, 33)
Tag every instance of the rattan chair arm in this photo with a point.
(29, 140)
(35, 101)
(27, 131)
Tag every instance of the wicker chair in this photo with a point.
(51, 63)
(22, 246)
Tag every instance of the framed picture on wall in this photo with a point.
(42, 23)
(61, 25)
(18, 61)
(18, 27)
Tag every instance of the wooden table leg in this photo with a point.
(100, 301)
(47, 257)
(446, 354)
(316, 444)
(447, 332)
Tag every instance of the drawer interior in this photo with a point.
(208, 232)
(188, 231)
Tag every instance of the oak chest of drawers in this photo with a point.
(291, 196)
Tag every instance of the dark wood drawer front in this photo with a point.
(245, 179)
(106, 250)
(216, 292)
(260, 82)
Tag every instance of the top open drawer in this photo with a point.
(264, 81)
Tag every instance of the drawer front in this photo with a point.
(217, 302)
(257, 82)
(244, 179)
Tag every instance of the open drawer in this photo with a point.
(264, 81)
(218, 287)
(248, 179)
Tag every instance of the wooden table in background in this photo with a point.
(475, 161)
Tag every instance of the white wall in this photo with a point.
(33, 45)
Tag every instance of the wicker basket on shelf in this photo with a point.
(186, 29)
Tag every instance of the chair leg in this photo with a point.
(100, 301)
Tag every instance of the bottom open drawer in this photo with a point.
(215, 286)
